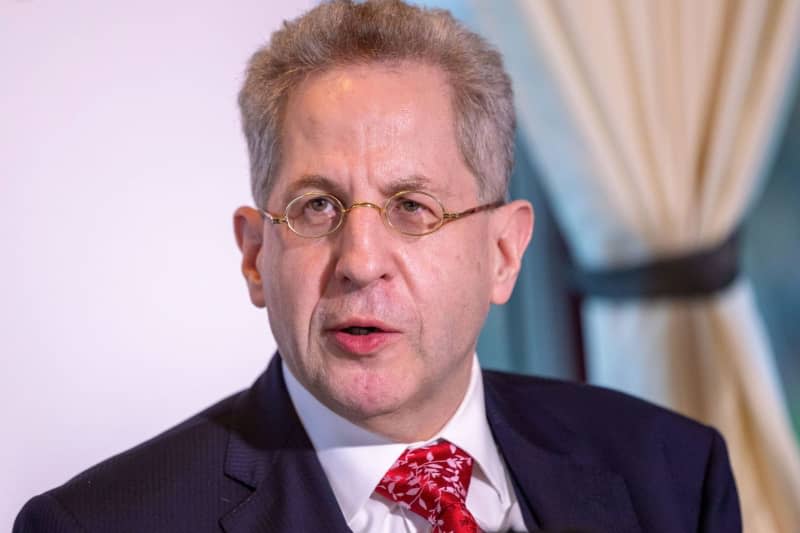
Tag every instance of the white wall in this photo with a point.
(122, 309)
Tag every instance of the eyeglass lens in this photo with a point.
(412, 213)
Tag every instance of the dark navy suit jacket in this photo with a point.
(582, 459)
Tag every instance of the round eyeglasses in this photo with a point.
(416, 213)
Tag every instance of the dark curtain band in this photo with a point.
(700, 273)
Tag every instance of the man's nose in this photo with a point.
(363, 246)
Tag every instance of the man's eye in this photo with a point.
(410, 206)
(319, 204)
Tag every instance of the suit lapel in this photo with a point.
(270, 452)
(555, 489)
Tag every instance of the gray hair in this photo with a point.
(343, 32)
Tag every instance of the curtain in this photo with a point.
(652, 124)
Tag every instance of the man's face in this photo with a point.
(362, 133)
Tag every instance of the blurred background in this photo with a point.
(123, 310)
(647, 130)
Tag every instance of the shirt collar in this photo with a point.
(354, 459)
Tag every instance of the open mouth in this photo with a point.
(358, 330)
(363, 338)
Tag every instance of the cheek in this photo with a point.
(452, 286)
(293, 281)
(464, 259)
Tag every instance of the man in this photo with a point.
(381, 141)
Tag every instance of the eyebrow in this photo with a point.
(312, 181)
(415, 182)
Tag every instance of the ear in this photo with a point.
(249, 227)
(513, 227)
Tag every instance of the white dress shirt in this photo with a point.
(355, 460)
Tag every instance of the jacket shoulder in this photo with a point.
(591, 410)
(45, 513)
(675, 468)
(176, 474)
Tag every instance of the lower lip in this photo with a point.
(363, 344)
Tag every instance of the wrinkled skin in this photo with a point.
(370, 130)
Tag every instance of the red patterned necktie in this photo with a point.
(432, 481)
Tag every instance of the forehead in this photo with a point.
(368, 125)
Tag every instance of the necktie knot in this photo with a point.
(432, 481)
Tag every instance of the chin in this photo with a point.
(364, 393)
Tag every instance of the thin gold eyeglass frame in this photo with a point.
(447, 216)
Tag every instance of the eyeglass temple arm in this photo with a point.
(484, 207)
(275, 219)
